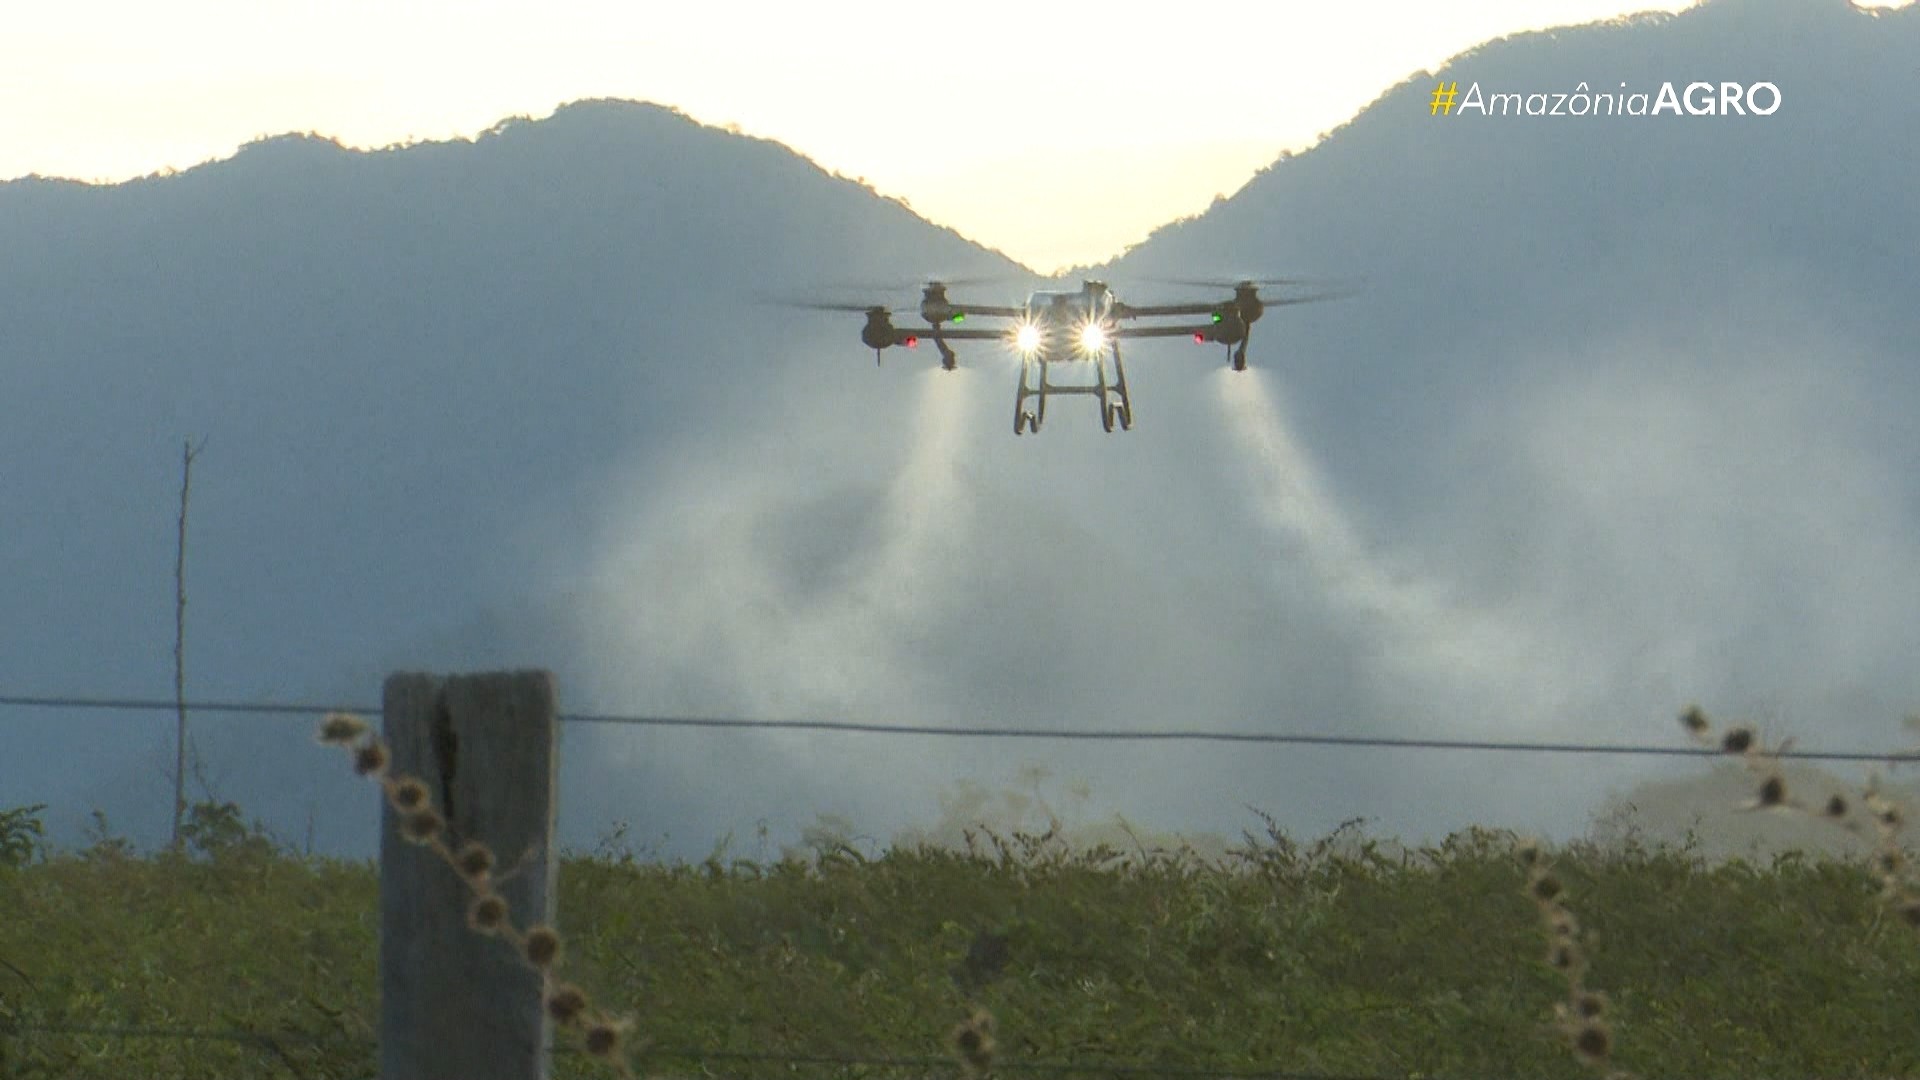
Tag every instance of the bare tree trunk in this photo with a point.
(188, 452)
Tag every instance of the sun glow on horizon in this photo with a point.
(1055, 165)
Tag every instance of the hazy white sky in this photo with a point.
(1056, 132)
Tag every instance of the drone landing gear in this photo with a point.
(1116, 407)
(1024, 419)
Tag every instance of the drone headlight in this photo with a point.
(1092, 338)
(1027, 339)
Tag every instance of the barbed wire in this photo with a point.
(1056, 1068)
(1365, 742)
(270, 1040)
(257, 1038)
(270, 1043)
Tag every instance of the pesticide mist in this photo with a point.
(1425, 636)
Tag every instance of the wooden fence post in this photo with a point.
(456, 1004)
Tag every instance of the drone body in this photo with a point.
(1070, 333)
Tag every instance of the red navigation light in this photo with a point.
(1199, 339)
(912, 342)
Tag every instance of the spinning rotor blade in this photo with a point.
(1327, 287)
(1318, 289)
(1226, 283)
(970, 282)
(855, 308)
(1311, 298)
(922, 283)
(829, 305)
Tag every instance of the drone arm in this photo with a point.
(1208, 329)
(1130, 311)
(901, 334)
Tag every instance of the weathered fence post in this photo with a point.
(456, 1004)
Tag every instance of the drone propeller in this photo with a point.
(1342, 285)
(1236, 283)
(1310, 298)
(832, 305)
(1321, 288)
(922, 283)
(1247, 305)
(818, 305)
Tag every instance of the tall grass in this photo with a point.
(1337, 957)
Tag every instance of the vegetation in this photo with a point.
(1329, 958)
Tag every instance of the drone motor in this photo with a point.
(879, 332)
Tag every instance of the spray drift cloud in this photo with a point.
(1427, 637)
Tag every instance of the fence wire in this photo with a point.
(274, 1041)
(1361, 742)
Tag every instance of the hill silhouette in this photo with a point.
(1635, 387)
(412, 368)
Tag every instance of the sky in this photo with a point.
(1058, 133)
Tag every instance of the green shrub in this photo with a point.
(216, 830)
(22, 835)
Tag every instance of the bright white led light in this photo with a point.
(1092, 338)
(1028, 338)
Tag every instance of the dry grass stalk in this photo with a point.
(1871, 810)
(602, 1035)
